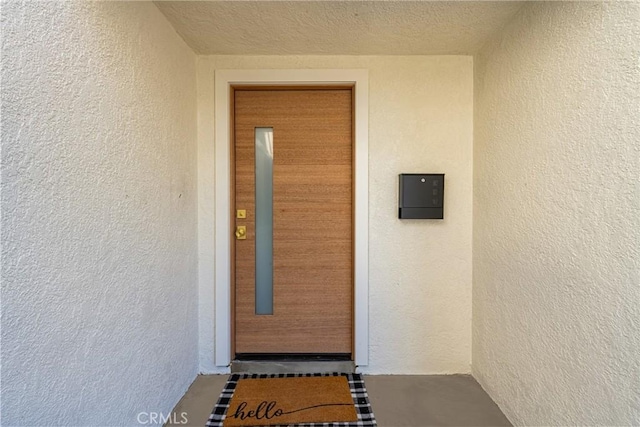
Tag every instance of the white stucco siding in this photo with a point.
(556, 291)
(99, 213)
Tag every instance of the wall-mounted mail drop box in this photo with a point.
(421, 196)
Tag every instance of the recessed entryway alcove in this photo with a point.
(110, 202)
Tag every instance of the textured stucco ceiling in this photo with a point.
(336, 27)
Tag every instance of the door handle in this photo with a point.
(241, 232)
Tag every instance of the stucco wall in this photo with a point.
(420, 120)
(556, 292)
(99, 208)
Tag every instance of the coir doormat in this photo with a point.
(309, 400)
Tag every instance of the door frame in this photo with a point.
(224, 79)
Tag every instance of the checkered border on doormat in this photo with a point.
(356, 385)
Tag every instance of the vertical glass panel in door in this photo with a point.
(264, 220)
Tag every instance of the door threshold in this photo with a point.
(295, 357)
(292, 366)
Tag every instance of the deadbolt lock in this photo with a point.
(241, 213)
(241, 232)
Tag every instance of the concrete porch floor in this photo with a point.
(397, 401)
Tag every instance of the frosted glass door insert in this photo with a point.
(264, 220)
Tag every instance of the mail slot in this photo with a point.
(421, 196)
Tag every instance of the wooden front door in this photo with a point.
(293, 158)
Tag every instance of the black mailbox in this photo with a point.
(421, 196)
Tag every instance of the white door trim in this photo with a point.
(223, 81)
